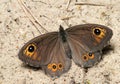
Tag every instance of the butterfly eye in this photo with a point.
(54, 67)
(90, 55)
(60, 66)
(30, 50)
(85, 57)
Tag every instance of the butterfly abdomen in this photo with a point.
(63, 37)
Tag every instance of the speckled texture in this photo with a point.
(16, 29)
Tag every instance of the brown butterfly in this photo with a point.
(53, 51)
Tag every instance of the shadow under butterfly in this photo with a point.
(53, 51)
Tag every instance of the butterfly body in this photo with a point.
(53, 51)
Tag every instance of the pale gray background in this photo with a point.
(16, 29)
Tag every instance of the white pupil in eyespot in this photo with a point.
(97, 31)
(31, 48)
(90, 54)
(54, 67)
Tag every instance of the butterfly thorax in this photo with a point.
(62, 34)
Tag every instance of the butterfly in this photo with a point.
(53, 51)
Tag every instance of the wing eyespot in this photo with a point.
(99, 33)
(91, 55)
(30, 50)
(60, 66)
(85, 57)
(52, 67)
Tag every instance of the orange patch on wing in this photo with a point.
(49, 66)
(98, 40)
(27, 53)
(34, 57)
(38, 58)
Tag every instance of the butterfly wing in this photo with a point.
(86, 42)
(48, 52)
(59, 63)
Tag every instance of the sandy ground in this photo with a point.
(16, 29)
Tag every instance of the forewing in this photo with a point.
(42, 49)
